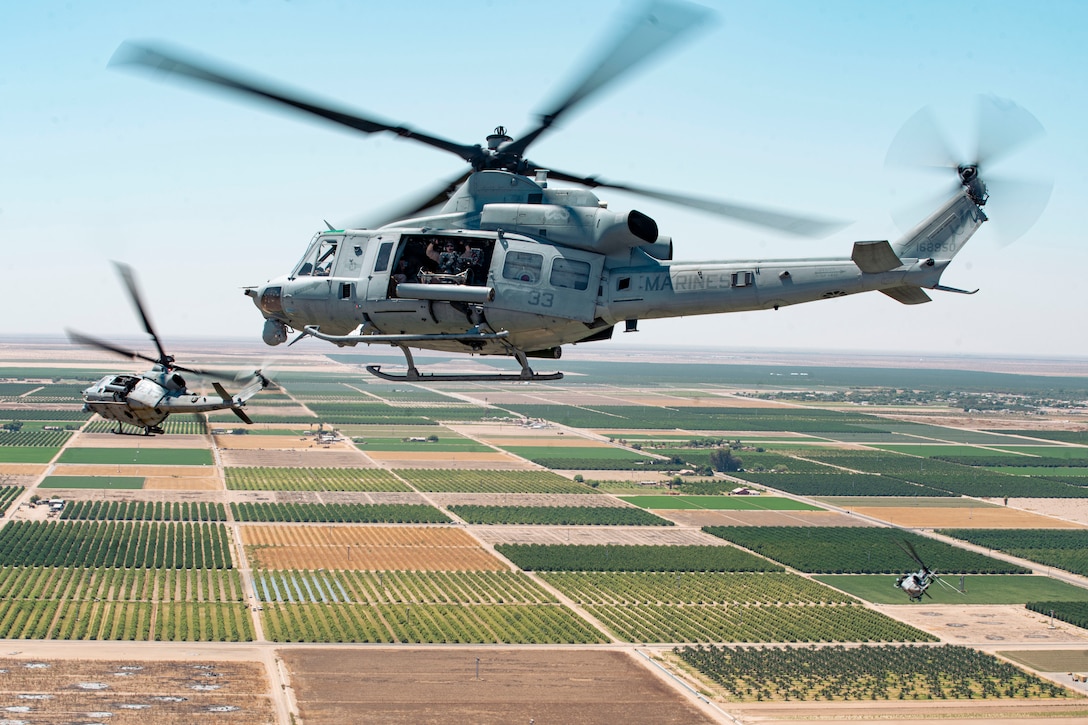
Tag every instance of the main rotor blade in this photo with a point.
(909, 548)
(410, 208)
(782, 221)
(171, 63)
(658, 25)
(134, 293)
(81, 339)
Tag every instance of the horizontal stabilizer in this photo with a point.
(875, 257)
(907, 295)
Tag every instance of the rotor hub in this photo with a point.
(974, 185)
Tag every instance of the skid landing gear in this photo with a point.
(413, 375)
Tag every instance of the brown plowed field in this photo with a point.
(275, 442)
(366, 548)
(515, 686)
(134, 692)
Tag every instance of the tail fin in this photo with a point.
(259, 383)
(942, 235)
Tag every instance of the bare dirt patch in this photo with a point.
(527, 499)
(552, 441)
(1068, 509)
(989, 626)
(176, 483)
(22, 469)
(276, 442)
(366, 548)
(110, 440)
(441, 456)
(133, 691)
(514, 686)
(965, 518)
(306, 458)
(761, 518)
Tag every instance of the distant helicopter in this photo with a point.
(145, 400)
(916, 584)
(512, 266)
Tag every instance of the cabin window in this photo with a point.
(523, 266)
(381, 264)
(570, 273)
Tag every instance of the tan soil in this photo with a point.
(23, 469)
(478, 456)
(160, 483)
(617, 535)
(964, 518)
(109, 440)
(304, 458)
(987, 626)
(366, 548)
(553, 441)
(515, 686)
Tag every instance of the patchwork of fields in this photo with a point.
(564, 515)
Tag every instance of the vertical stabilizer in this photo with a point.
(944, 233)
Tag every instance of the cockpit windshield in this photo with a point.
(319, 258)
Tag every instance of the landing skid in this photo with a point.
(151, 430)
(413, 375)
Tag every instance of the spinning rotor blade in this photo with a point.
(658, 25)
(81, 339)
(909, 548)
(773, 219)
(157, 59)
(1002, 128)
(137, 301)
(408, 209)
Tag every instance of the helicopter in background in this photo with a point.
(497, 261)
(916, 584)
(145, 400)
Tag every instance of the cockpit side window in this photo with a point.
(318, 261)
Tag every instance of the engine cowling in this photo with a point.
(593, 229)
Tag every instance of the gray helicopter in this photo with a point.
(145, 400)
(498, 261)
(916, 584)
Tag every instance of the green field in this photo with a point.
(722, 503)
(1067, 472)
(139, 456)
(981, 589)
(26, 454)
(444, 444)
(114, 482)
(931, 451)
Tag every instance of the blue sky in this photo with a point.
(785, 104)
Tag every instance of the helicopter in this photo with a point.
(499, 261)
(916, 584)
(147, 399)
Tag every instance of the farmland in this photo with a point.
(442, 516)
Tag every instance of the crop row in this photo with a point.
(1061, 548)
(399, 587)
(174, 425)
(112, 584)
(143, 511)
(134, 621)
(556, 557)
(863, 673)
(655, 623)
(311, 479)
(856, 550)
(706, 419)
(356, 513)
(629, 588)
(839, 484)
(486, 481)
(1075, 613)
(950, 477)
(559, 515)
(36, 438)
(427, 623)
(115, 544)
(1012, 460)
(9, 494)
